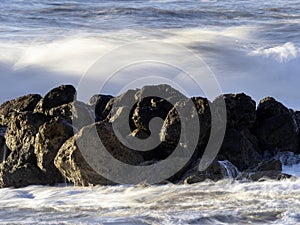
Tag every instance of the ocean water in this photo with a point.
(224, 202)
(248, 46)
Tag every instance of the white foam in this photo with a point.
(224, 202)
(281, 53)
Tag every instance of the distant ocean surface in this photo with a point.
(251, 46)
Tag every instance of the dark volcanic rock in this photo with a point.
(276, 126)
(73, 165)
(240, 148)
(48, 141)
(98, 103)
(56, 97)
(216, 171)
(278, 132)
(269, 107)
(20, 168)
(76, 113)
(21, 131)
(21, 104)
(21, 176)
(241, 111)
(271, 169)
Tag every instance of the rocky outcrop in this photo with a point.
(216, 171)
(25, 103)
(50, 139)
(98, 103)
(20, 169)
(265, 170)
(61, 95)
(73, 165)
(240, 148)
(276, 127)
(241, 111)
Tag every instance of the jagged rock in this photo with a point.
(73, 165)
(154, 101)
(21, 131)
(271, 165)
(76, 113)
(20, 168)
(98, 103)
(241, 110)
(21, 104)
(271, 169)
(216, 171)
(58, 96)
(240, 148)
(21, 176)
(276, 126)
(269, 107)
(48, 141)
(297, 118)
(278, 132)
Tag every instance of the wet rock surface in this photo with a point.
(45, 140)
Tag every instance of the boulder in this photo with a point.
(58, 96)
(77, 114)
(241, 110)
(21, 104)
(278, 132)
(4, 151)
(49, 139)
(98, 103)
(71, 163)
(21, 131)
(21, 176)
(240, 148)
(269, 107)
(216, 171)
(20, 167)
(265, 170)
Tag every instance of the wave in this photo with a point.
(238, 63)
(224, 202)
(281, 53)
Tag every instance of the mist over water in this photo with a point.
(250, 46)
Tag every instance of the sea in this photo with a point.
(110, 46)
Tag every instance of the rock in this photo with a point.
(21, 104)
(271, 165)
(4, 151)
(98, 103)
(216, 171)
(240, 148)
(271, 169)
(74, 167)
(241, 110)
(49, 139)
(297, 118)
(58, 96)
(21, 131)
(21, 176)
(20, 168)
(278, 132)
(76, 113)
(148, 108)
(171, 130)
(269, 107)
